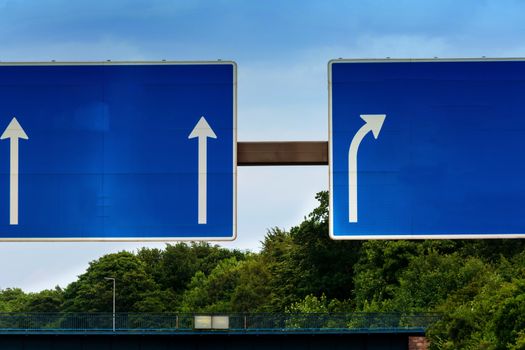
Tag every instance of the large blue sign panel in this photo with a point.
(118, 151)
(427, 149)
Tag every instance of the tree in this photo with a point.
(509, 318)
(213, 293)
(253, 292)
(153, 262)
(49, 300)
(321, 304)
(178, 263)
(326, 265)
(486, 312)
(376, 274)
(92, 293)
(306, 261)
(12, 300)
(278, 246)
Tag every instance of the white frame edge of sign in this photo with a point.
(330, 180)
(145, 239)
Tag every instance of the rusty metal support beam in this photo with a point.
(282, 153)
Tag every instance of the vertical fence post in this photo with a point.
(245, 323)
(114, 308)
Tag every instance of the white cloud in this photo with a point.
(37, 266)
(283, 100)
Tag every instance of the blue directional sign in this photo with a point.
(118, 151)
(427, 149)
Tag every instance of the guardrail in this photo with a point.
(236, 323)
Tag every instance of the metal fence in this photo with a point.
(238, 323)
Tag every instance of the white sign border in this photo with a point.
(330, 144)
(144, 239)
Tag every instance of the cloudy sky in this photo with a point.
(282, 49)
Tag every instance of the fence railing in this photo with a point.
(245, 323)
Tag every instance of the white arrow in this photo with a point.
(13, 132)
(202, 130)
(374, 122)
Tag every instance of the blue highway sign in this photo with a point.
(118, 151)
(427, 149)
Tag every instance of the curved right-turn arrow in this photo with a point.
(374, 122)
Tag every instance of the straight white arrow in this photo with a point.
(374, 122)
(202, 130)
(13, 132)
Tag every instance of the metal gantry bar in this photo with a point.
(282, 153)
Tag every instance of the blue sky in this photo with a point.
(282, 49)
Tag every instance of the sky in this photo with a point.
(282, 49)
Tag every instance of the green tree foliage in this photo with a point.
(213, 293)
(15, 300)
(428, 280)
(174, 267)
(376, 274)
(44, 301)
(306, 261)
(253, 292)
(321, 304)
(326, 265)
(277, 249)
(12, 300)
(509, 317)
(477, 313)
(92, 293)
